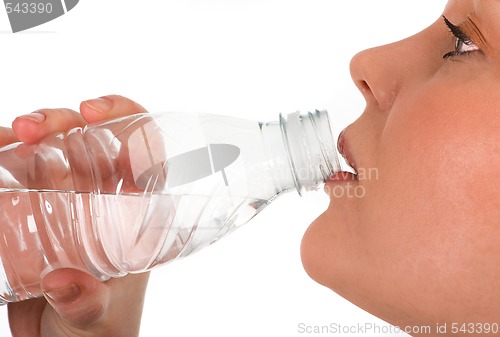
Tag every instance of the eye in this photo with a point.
(464, 47)
(463, 44)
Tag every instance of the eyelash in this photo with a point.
(461, 40)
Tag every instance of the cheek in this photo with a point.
(437, 198)
(440, 154)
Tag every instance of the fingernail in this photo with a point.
(36, 117)
(100, 104)
(65, 294)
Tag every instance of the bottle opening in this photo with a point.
(310, 145)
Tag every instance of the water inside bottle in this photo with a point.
(44, 230)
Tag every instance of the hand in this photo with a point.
(75, 303)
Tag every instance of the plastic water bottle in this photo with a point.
(136, 192)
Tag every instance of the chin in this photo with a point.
(322, 252)
(332, 255)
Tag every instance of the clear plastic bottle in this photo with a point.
(127, 195)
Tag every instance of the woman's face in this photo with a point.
(416, 238)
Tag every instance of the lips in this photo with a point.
(345, 150)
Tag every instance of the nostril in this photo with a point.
(365, 90)
(378, 95)
(364, 87)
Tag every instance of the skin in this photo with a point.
(421, 246)
(75, 303)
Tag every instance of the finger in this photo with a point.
(7, 136)
(26, 311)
(111, 308)
(31, 128)
(77, 297)
(108, 107)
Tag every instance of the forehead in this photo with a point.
(471, 5)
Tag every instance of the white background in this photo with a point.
(246, 58)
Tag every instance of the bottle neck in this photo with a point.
(303, 150)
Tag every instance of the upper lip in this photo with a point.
(344, 149)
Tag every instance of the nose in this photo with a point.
(380, 73)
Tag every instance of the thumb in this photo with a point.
(77, 297)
